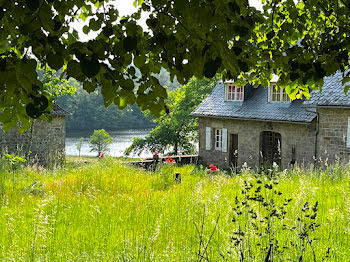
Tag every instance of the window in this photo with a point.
(234, 93)
(218, 139)
(278, 95)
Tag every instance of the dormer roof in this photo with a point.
(256, 107)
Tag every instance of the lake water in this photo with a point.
(121, 140)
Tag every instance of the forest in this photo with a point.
(89, 113)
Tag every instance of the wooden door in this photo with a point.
(270, 148)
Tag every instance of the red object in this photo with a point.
(156, 153)
(102, 155)
(212, 167)
(169, 159)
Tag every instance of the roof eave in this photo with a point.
(324, 106)
(257, 119)
(334, 106)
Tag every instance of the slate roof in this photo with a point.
(332, 93)
(256, 107)
(58, 111)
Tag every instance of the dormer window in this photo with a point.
(233, 93)
(277, 94)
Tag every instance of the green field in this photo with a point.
(107, 211)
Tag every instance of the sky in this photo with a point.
(126, 7)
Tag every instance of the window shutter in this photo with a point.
(208, 138)
(348, 134)
(224, 140)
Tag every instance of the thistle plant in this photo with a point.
(262, 227)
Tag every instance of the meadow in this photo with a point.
(109, 211)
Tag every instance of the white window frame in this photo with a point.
(235, 96)
(281, 93)
(218, 139)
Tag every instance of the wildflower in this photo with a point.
(213, 167)
(275, 165)
(169, 160)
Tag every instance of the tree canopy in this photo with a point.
(301, 41)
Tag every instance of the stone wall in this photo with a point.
(332, 136)
(302, 136)
(45, 142)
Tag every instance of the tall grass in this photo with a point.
(107, 211)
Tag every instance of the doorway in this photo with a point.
(233, 157)
(270, 148)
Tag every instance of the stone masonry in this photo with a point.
(44, 143)
(332, 136)
(301, 136)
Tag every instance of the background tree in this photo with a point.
(100, 141)
(53, 84)
(79, 145)
(89, 113)
(178, 130)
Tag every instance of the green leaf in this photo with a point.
(345, 80)
(346, 89)
(243, 65)
(234, 7)
(211, 67)
(138, 2)
(33, 111)
(107, 31)
(95, 25)
(2, 13)
(130, 43)
(90, 67)
(55, 61)
(86, 29)
(33, 4)
(89, 87)
(160, 91)
(126, 84)
(2, 64)
(73, 70)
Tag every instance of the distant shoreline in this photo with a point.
(85, 133)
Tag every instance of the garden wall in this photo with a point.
(44, 143)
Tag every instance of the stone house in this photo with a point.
(262, 125)
(43, 143)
